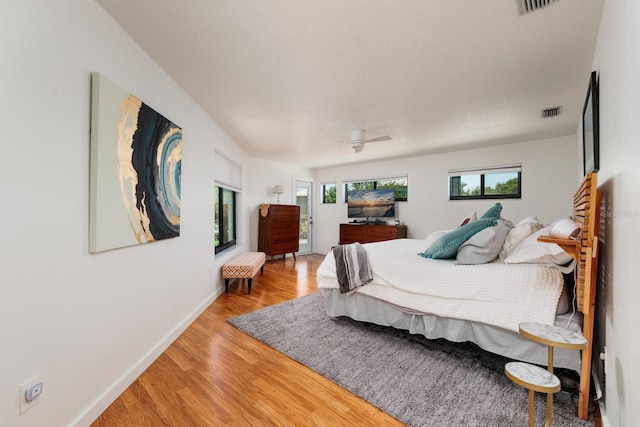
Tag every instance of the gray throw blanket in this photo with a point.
(352, 266)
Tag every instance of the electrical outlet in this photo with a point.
(30, 394)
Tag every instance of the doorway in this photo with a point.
(304, 199)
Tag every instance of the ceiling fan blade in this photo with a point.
(381, 138)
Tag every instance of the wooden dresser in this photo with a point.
(367, 233)
(279, 229)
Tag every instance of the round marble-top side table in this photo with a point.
(552, 336)
(534, 379)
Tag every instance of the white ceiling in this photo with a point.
(289, 79)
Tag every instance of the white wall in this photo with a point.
(89, 324)
(549, 179)
(617, 62)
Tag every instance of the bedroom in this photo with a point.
(90, 324)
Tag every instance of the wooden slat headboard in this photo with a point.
(586, 212)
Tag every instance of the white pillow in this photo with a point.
(431, 238)
(530, 251)
(528, 220)
(525, 228)
(484, 246)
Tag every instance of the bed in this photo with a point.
(481, 302)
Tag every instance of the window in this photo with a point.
(399, 184)
(328, 193)
(226, 199)
(225, 215)
(500, 182)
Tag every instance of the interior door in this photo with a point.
(304, 199)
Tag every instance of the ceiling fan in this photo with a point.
(358, 141)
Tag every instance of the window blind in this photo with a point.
(515, 167)
(227, 172)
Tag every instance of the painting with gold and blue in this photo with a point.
(135, 169)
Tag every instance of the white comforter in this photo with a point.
(496, 294)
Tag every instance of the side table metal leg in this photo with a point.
(549, 409)
(532, 410)
(549, 395)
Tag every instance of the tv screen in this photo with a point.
(371, 203)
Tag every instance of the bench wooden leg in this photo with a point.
(262, 269)
(226, 286)
(249, 281)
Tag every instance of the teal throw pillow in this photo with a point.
(493, 211)
(447, 246)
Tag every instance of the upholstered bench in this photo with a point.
(243, 266)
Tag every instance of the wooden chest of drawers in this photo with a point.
(367, 233)
(279, 229)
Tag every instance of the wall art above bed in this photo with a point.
(135, 169)
(591, 128)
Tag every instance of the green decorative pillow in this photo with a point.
(493, 211)
(447, 246)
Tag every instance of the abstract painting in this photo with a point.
(591, 128)
(136, 160)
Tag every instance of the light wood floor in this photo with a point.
(216, 375)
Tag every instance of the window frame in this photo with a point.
(323, 192)
(219, 213)
(514, 168)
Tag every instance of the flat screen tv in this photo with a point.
(371, 203)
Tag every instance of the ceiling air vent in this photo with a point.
(551, 112)
(527, 6)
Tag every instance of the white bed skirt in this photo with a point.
(490, 338)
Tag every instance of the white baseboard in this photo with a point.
(99, 405)
(603, 414)
(596, 383)
(598, 401)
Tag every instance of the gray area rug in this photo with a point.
(418, 381)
